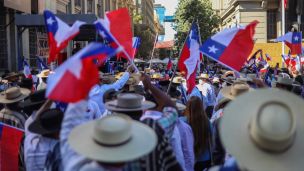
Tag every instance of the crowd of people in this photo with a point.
(139, 121)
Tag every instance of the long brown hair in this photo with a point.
(198, 120)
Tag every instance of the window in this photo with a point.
(139, 2)
(139, 11)
(33, 47)
(3, 43)
(288, 24)
(77, 2)
(271, 24)
(90, 6)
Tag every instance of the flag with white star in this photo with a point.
(267, 79)
(59, 33)
(293, 40)
(231, 47)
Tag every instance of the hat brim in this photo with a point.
(285, 84)
(20, 83)
(225, 91)
(42, 76)
(226, 80)
(220, 103)
(236, 138)
(12, 75)
(180, 106)
(36, 127)
(28, 102)
(143, 141)
(24, 93)
(112, 105)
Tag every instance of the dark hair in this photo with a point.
(133, 114)
(216, 85)
(299, 79)
(12, 105)
(198, 120)
(288, 87)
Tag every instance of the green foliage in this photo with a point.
(137, 17)
(186, 11)
(146, 45)
(162, 53)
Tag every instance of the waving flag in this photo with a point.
(160, 43)
(116, 29)
(254, 68)
(293, 40)
(286, 59)
(264, 69)
(302, 61)
(74, 78)
(268, 58)
(188, 61)
(267, 79)
(111, 67)
(58, 33)
(41, 65)
(184, 96)
(295, 64)
(28, 74)
(10, 139)
(222, 47)
(136, 42)
(169, 63)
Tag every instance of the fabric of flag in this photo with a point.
(28, 74)
(231, 47)
(184, 95)
(160, 43)
(116, 29)
(188, 61)
(264, 69)
(285, 3)
(293, 40)
(74, 78)
(136, 42)
(10, 139)
(267, 79)
(41, 65)
(111, 67)
(252, 59)
(295, 64)
(169, 63)
(302, 61)
(254, 68)
(62, 106)
(286, 59)
(268, 58)
(59, 33)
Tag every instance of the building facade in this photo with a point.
(27, 37)
(267, 12)
(161, 10)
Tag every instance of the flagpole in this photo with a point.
(153, 51)
(180, 54)
(283, 30)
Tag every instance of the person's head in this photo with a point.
(299, 79)
(284, 87)
(204, 78)
(21, 77)
(13, 96)
(297, 89)
(77, 45)
(12, 77)
(35, 101)
(198, 120)
(284, 83)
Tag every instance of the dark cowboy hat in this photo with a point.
(164, 83)
(174, 92)
(36, 97)
(48, 122)
(26, 82)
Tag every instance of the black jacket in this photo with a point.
(218, 151)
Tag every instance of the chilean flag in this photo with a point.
(136, 42)
(74, 78)
(28, 74)
(188, 61)
(58, 33)
(41, 65)
(295, 64)
(169, 63)
(286, 59)
(265, 67)
(116, 29)
(267, 79)
(293, 40)
(268, 58)
(231, 47)
(302, 61)
(10, 139)
(161, 43)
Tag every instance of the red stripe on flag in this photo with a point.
(9, 144)
(294, 48)
(191, 82)
(166, 44)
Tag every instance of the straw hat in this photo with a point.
(119, 75)
(179, 105)
(220, 102)
(129, 102)
(177, 80)
(20, 72)
(155, 75)
(178, 73)
(206, 76)
(44, 73)
(113, 139)
(134, 79)
(251, 76)
(235, 89)
(14, 94)
(285, 81)
(11, 74)
(241, 80)
(230, 80)
(108, 79)
(216, 80)
(148, 71)
(269, 129)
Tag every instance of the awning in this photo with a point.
(87, 31)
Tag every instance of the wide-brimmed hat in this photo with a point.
(14, 94)
(173, 92)
(155, 75)
(235, 89)
(251, 76)
(113, 139)
(129, 102)
(270, 131)
(205, 76)
(11, 74)
(132, 88)
(21, 72)
(178, 105)
(134, 79)
(177, 80)
(216, 80)
(285, 81)
(220, 102)
(48, 122)
(26, 82)
(241, 80)
(147, 70)
(164, 83)
(108, 79)
(229, 79)
(36, 97)
(44, 73)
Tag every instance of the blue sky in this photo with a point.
(170, 6)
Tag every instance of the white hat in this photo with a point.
(216, 80)
(235, 89)
(269, 130)
(129, 102)
(178, 105)
(113, 139)
(285, 81)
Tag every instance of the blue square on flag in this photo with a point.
(160, 38)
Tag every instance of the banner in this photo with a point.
(43, 51)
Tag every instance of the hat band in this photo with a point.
(113, 145)
(125, 107)
(14, 97)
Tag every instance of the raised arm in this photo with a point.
(122, 80)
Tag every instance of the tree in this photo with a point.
(201, 10)
(162, 53)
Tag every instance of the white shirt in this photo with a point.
(107, 112)
(92, 111)
(96, 93)
(208, 94)
(36, 148)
